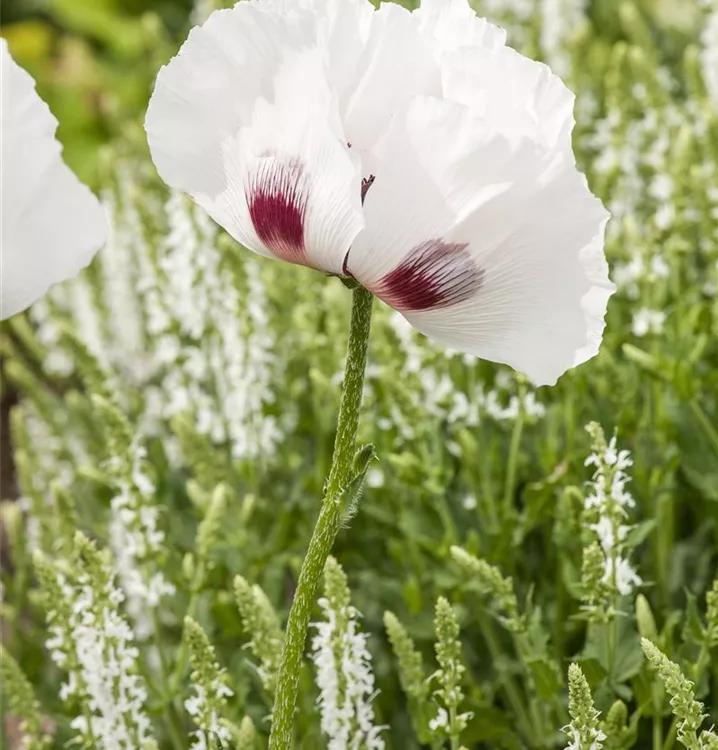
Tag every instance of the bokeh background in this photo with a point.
(94, 61)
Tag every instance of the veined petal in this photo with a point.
(343, 29)
(453, 24)
(396, 65)
(52, 225)
(490, 245)
(293, 186)
(522, 97)
(207, 92)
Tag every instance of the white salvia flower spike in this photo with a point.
(343, 669)
(52, 225)
(413, 152)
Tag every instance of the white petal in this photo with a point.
(343, 29)
(208, 91)
(397, 64)
(452, 24)
(521, 96)
(487, 244)
(293, 185)
(52, 225)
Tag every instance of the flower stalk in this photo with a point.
(328, 523)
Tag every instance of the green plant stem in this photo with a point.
(513, 694)
(657, 731)
(174, 723)
(514, 448)
(183, 656)
(328, 523)
(706, 425)
(522, 647)
(172, 715)
(452, 724)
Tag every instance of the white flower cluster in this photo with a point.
(120, 272)
(56, 361)
(51, 461)
(175, 307)
(99, 642)
(221, 370)
(105, 311)
(495, 406)
(559, 19)
(647, 321)
(135, 538)
(438, 395)
(629, 275)
(440, 721)
(200, 709)
(346, 682)
(635, 153)
(610, 500)
(576, 743)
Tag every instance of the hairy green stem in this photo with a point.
(705, 423)
(328, 523)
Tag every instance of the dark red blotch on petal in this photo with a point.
(277, 202)
(434, 274)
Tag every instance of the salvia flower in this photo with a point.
(22, 704)
(52, 225)
(681, 690)
(448, 722)
(210, 690)
(92, 642)
(646, 321)
(615, 726)
(500, 590)
(606, 569)
(135, 536)
(261, 623)
(583, 732)
(411, 675)
(344, 673)
(412, 152)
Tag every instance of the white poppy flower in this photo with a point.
(414, 152)
(52, 224)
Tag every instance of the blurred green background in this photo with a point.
(93, 61)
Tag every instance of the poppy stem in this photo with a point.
(328, 523)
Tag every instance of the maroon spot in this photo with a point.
(277, 203)
(435, 274)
